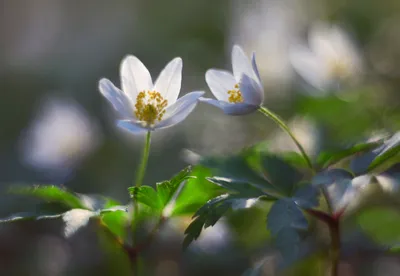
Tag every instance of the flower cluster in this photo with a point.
(144, 106)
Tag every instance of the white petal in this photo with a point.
(320, 40)
(255, 68)
(308, 66)
(180, 109)
(241, 64)
(116, 97)
(169, 81)
(251, 91)
(220, 82)
(134, 77)
(134, 127)
(231, 109)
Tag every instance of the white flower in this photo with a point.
(331, 60)
(238, 93)
(61, 135)
(144, 106)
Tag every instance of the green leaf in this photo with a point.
(167, 189)
(279, 173)
(390, 148)
(50, 194)
(117, 222)
(196, 192)
(285, 214)
(328, 158)
(381, 224)
(369, 161)
(307, 196)
(146, 195)
(28, 216)
(212, 211)
(245, 189)
(74, 219)
(235, 167)
(165, 193)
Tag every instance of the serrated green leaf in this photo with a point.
(369, 161)
(212, 211)
(117, 222)
(28, 216)
(146, 195)
(285, 214)
(307, 196)
(235, 167)
(196, 192)
(167, 189)
(245, 189)
(280, 174)
(328, 158)
(165, 193)
(390, 149)
(50, 194)
(289, 242)
(381, 224)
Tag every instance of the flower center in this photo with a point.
(235, 96)
(339, 69)
(150, 107)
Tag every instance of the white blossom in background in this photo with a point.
(304, 130)
(144, 106)
(329, 61)
(269, 27)
(59, 138)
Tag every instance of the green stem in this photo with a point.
(138, 183)
(285, 128)
(143, 164)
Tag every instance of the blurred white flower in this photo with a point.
(238, 93)
(59, 138)
(143, 106)
(279, 23)
(330, 61)
(304, 130)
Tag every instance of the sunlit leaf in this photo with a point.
(212, 211)
(235, 186)
(390, 148)
(117, 222)
(146, 195)
(28, 216)
(163, 195)
(368, 161)
(381, 224)
(196, 192)
(50, 194)
(328, 158)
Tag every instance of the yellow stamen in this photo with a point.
(338, 69)
(150, 107)
(235, 96)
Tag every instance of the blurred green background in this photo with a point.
(60, 49)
